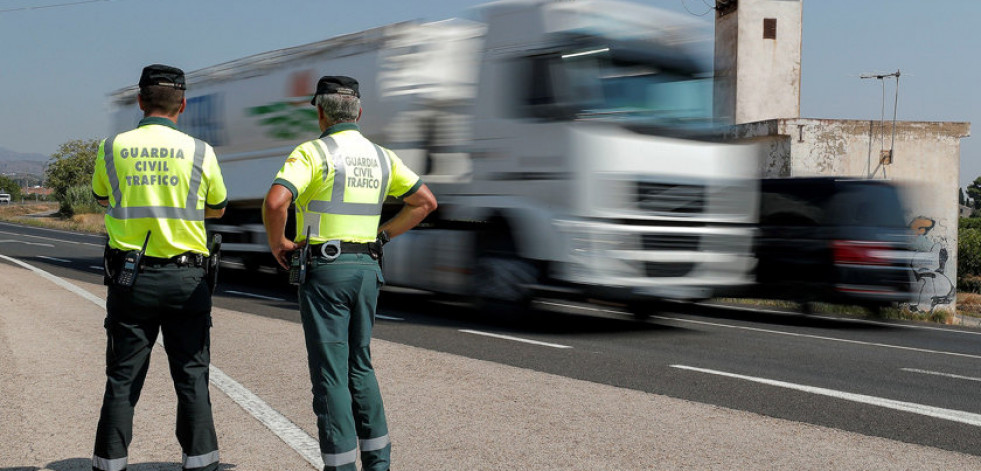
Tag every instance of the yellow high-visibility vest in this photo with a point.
(339, 183)
(158, 179)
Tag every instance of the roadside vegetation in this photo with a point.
(45, 214)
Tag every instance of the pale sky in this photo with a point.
(61, 58)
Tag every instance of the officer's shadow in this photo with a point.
(85, 464)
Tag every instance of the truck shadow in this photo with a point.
(540, 318)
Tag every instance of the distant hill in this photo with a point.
(13, 162)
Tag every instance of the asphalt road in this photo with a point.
(913, 383)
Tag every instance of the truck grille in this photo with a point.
(667, 269)
(667, 198)
(669, 242)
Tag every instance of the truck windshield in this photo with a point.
(595, 84)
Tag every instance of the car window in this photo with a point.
(863, 204)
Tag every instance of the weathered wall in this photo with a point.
(926, 160)
(764, 81)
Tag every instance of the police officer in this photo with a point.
(338, 183)
(159, 185)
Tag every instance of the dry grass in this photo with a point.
(20, 213)
(969, 304)
(13, 210)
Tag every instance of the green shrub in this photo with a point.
(79, 200)
(969, 284)
(970, 223)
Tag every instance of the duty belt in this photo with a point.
(332, 249)
(186, 259)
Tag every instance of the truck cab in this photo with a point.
(596, 165)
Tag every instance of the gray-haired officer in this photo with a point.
(339, 183)
(155, 269)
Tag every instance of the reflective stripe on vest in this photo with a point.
(337, 205)
(188, 213)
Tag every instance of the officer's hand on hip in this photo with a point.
(282, 249)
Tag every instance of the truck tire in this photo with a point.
(503, 282)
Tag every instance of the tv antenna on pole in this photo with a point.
(885, 156)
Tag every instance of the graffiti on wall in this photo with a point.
(932, 286)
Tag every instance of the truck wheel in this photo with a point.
(503, 282)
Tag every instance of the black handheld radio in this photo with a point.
(298, 262)
(131, 265)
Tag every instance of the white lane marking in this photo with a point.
(42, 244)
(516, 339)
(96, 267)
(286, 430)
(389, 318)
(51, 238)
(920, 409)
(794, 334)
(259, 296)
(56, 259)
(937, 373)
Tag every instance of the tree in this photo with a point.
(974, 193)
(10, 187)
(72, 166)
(961, 199)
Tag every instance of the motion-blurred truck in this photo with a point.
(571, 146)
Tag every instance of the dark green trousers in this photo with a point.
(176, 301)
(337, 307)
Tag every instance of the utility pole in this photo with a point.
(885, 157)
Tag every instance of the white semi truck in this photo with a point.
(571, 146)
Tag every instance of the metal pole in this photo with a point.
(895, 106)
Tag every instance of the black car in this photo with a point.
(833, 240)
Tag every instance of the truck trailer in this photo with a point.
(571, 145)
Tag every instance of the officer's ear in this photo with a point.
(183, 105)
(139, 99)
(359, 114)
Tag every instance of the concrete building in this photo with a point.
(758, 64)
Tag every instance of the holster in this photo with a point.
(108, 266)
(212, 263)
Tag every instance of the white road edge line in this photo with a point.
(56, 259)
(516, 339)
(937, 373)
(389, 318)
(243, 293)
(307, 447)
(920, 409)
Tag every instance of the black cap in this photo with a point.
(158, 74)
(338, 84)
